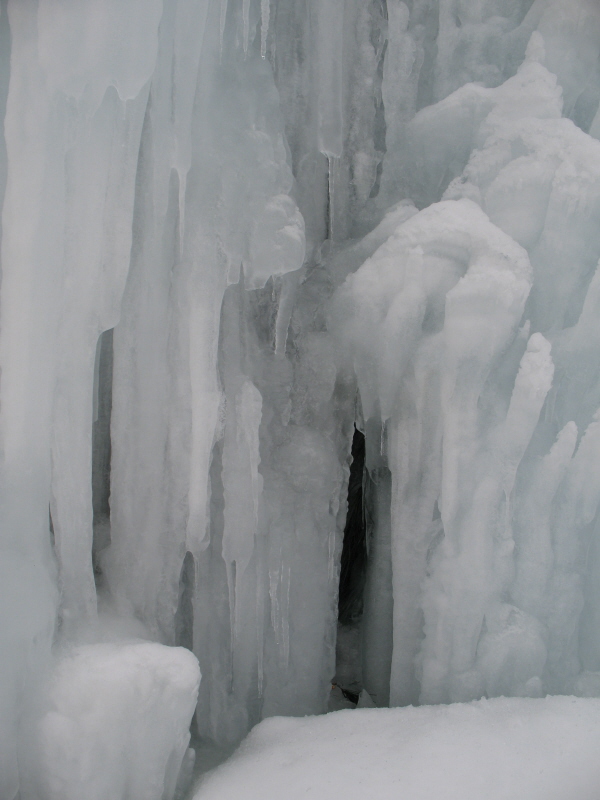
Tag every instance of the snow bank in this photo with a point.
(118, 722)
(501, 749)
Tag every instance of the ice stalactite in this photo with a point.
(265, 17)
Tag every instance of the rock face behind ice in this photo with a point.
(118, 725)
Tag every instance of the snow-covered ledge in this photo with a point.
(506, 748)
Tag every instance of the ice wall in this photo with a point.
(74, 111)
(490, 597)
(276, 220)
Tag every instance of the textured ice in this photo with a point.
(116, 722)
(232, 232)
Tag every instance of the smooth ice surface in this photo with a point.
(117, 722)
(501, 749)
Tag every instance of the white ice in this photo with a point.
(116, 722)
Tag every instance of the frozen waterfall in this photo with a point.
(235, 236)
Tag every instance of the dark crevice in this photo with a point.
(354, 551)
(347, 683)
(101, 447)
(184, 616)
(51, 528)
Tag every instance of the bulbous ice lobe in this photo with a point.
(118, 721)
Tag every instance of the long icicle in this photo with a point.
(265, 13)
(222, 20)
(246, 18)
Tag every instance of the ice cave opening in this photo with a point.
(299, 399)
(353, 560)
(353, 571)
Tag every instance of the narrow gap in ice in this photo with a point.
(378, 599)
(348, 677)
(101, 447)
(51, 528)
(184, 616)
(354, 550)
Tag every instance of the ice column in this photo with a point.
(73, 119)
(213, 208)
(150, 420)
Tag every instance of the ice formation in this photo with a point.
(143, 694)
(232, 231)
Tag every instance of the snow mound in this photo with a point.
(500, 749)
(118, 722)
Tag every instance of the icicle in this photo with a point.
(182, 188)
(222, 20)
(285, 619)
(246, 18)
(329, 18)
(265, 12)
(331, 189)
(260, 616)
(230, 569)
(287, 298)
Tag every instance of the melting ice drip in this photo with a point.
(297, 217)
